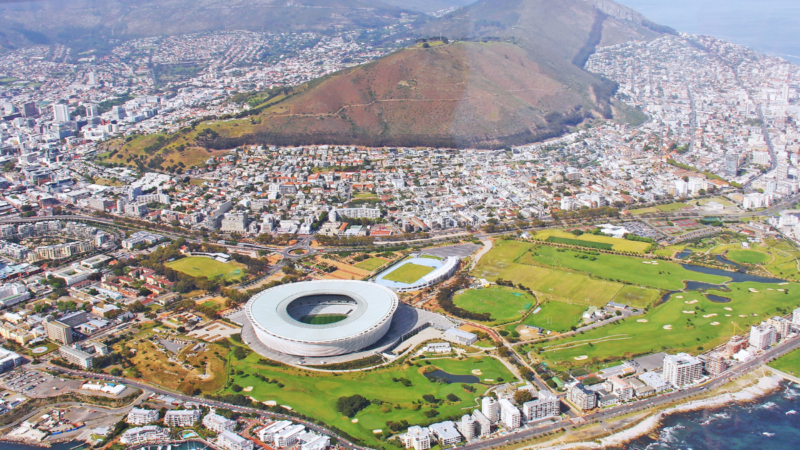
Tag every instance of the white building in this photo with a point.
(288, 436)
(510, 416)
(781, 325)
(12, 294)
(216, 423)
(232, 441)
(267, 434)
(185, 418)
(796, 319)
(140, 416)
(460, 336)
(466, 426)
(682, 369)
(762, 336)
(80, 358)
(416, 437)
(445, 433)
(491, 409)
(144, 435)
(546, 405)
(581, 397)
(483, 426)
(654, 380)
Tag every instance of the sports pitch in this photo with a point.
(408, 273)
(371, 264)
(556, 316)
(503, 303)
(200, 266)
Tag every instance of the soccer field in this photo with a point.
(503, 303)
(200, 266)
(371, 264)
(408, 273)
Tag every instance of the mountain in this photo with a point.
(28, 22)
(429, 6)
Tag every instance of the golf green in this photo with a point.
(748, 256)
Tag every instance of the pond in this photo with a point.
(450, 378)
(722, 259)
(717, 298)
(735, 277)
(683, 254)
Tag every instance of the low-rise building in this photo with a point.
(216, 423)
(140, 416)
(144, 435)
(78, 357)
(416, 437)
(446, 433)
(186, 418)
(581, 397)
(232, 441)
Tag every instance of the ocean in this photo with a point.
(767, 423)
(767, 26)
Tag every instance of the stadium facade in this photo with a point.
(322, 318)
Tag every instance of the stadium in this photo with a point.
(322, 318)
(418, 273)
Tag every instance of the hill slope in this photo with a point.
(42, 21)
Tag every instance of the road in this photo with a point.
(211, 403)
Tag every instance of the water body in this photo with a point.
(763, 424)
(735, 277)
(721, 259)
(683, 254)
(450, 378)
(767, 26)
(64, 446)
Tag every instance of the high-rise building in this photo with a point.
(715, 364)
(762, 336)
(682, 369)
(782, 327)
(92, 110)
(581, 397)
(60, 113)
(58, 332)
(483, 426)
(783, 171)
(796, 318)
(29, 109)
(510, 416)
(92, 79)
(490, 409)
(467, 427)
(736, 344)
(731, 164)
(545, 405)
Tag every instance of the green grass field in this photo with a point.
(408, 273)
(748, 256)
(785, 264)
(660, 208)
(556, 316)
(568, 241)
(371, 264)
(789, 363)
(324, 319)
(687, 332)
(622, 245)
(553, 284)
(503, 303)
(662, 275)
(200, 266)
(315, 394)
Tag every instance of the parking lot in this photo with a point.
(34, 383)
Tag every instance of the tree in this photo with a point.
(453, 398)
(350, 406)
(522, 396)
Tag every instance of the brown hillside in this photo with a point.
(461, 94)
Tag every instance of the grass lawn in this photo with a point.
(324, 319)
(408, 273)
(789, 363)
(640, 211)
(748, 256)
(785, 263)
(687, 332)
(672, 207)
(503, 303)
(637, 297)
(560, 285)
(556, 316)
(371, 264)
(200, 266)
(622, 245)
(721, 200)
(665, 275)
(315, 394)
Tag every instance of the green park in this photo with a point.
(408, 273)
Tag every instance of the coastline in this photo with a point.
(765, 385)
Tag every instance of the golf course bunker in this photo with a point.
(691, 302)
(248, 389)
(450, 378)
(642, 320)
(667, 327)
(581, 358)
(477, 372)
(728, 309)
(688, 312)
(713, 324)
(708, 316)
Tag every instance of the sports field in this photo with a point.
(503, 303)
(200, 266)
(556, 316)
(748, 256)
(656, 274)
(680, 324)
(553, 284)
(621, 245)
(371, 264)
(669, 207)
(323, 319)
(315, 394)
(789, 363)
(408, 273)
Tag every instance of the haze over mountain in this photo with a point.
(26, 22)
